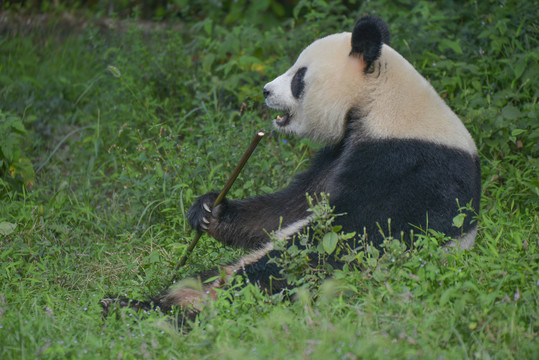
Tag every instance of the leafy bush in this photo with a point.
(14, 164)
(268, 12)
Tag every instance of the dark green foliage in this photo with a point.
(267, 12)
(14, 165)
(125, 126)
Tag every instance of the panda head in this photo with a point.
(331, 77)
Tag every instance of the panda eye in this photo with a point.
(298, 83)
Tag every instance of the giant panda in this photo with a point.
(392, 150)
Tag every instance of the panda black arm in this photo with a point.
(246, 223)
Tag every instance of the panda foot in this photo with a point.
(114, 303)
(182, 321)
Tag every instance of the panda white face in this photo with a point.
(316, 93)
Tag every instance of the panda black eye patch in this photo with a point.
(298, 83)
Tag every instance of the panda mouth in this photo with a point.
(282, 121)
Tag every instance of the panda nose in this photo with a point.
(266, 93)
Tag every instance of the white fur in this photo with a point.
(407, 106)
(292, 229)
(466, 242)
(256, 255)
(230, 270)
(329, 90)
(396, 100)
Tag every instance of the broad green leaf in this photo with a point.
(453, 45)
(266, 189)
(510, 112)
(7, 228)
(208, 27)
(459, 220)
(207, 63)
(519, 67)
(330, 242)
(372, 262)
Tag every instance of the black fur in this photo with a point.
(369, 34)
(414, 183)
(298, 83)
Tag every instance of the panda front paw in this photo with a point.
(202, 216)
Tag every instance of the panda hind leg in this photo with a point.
(112, 304)
(190, 294)
(193, 293)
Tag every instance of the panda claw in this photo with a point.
(205, 220)
(106, 302)
(206, 207)
(204, 227)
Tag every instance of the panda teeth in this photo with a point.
(282, 120)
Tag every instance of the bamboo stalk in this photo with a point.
(222, 195)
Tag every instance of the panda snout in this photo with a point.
(266, 93)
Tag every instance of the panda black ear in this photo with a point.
(370, 32)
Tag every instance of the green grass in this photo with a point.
(125, 128)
